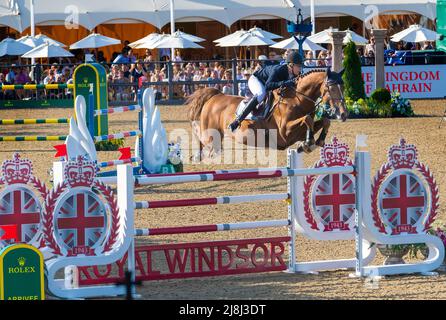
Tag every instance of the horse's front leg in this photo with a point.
(308, 143)
(323, 124)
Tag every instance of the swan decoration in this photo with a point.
(79, 141)
(156, 149)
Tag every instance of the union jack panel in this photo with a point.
(333, 200)
(81, 222)
(403, 202)
(20, 206)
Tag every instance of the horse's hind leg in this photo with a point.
(211, 140)
(323, 124)
(309, 144)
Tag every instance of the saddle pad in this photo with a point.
(259, 113)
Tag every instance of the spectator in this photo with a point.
(10, 76)
(101, 58)
(122, 89)
(309, 59)
(214, 77)
(66, 72)
(50, 78)
(126, 45)
(7, 94)
(148, 61)
(321, 59)
(208, 76)
(132, 57)
(243, 88)
(114, 56)
(125, 68)
(370, 46)
(362, 58)
(177, 57)
(123, 57)
(227, 87)
(370, 58)
(427, 45)
(328, 59)
(137, 72)
(21, 78)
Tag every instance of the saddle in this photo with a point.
(262, 112)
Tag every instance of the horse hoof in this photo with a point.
(320, 143)
(306, 148)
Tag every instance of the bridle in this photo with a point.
(328, 84)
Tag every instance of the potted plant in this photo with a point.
(394, 253)
(424, 250)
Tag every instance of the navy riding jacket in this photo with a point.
(274, 76)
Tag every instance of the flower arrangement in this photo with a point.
(175, 156)
(401, 107)
(377, 107)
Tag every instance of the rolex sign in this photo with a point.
(21, 273)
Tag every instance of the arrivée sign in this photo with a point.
(412, 81)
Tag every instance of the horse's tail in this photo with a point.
(197, 100)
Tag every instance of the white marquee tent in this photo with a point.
(16, 13)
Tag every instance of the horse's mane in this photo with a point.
(303, 75)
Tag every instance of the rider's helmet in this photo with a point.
(294, 57)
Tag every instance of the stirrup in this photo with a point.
(234, 125)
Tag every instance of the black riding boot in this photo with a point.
(252, 104)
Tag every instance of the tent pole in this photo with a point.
(33, 25)
(313, 18)
(172, 26)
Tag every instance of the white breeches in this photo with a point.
(257, 88)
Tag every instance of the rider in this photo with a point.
(269, 78)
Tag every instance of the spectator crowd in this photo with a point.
(128, 73)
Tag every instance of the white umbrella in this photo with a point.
(415, 33)
(47, 50)
(93, 41)
(149, 39)
(246, 39)
(150, 42)
(264, 34)
(175, 41)
(323, 36)
(236, 34)
(31, 41)
(190, 37)
(11, 47)
(291, 43)
(45, 39)
(356, 38)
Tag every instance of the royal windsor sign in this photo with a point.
(417, 81)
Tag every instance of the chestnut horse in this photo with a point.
(210, 113)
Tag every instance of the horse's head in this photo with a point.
(332, 93)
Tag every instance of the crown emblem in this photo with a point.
(21, 261)
(17, 170)
(80, 173)
(403, 155)
(335, 153)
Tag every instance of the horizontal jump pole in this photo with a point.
(212, 228)
(117, 110)
(121, 135)
(34, 138)
(210, 201)
(118, 162)
(55, 86)
(32, 121)
(266, 173)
